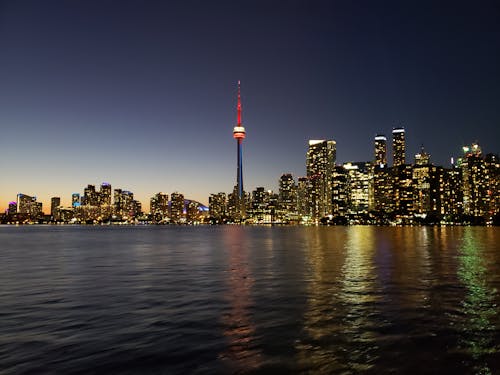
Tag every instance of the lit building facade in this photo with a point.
(159, 207)
(452, 204)
(287, 198)
(28, 207)
(217, 204)
(475, 182)
(359, 184)
(493, 170)
(303, 206)
(177, 207)
(54, 203)
(381, 150)
(320, 163)
(340, 192)
(398, 147)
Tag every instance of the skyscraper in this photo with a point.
(381, 150)
(475, 182)
(320, 162)
(177, 208)
(105, 194)
(287, 209)
(358, 187)
(159, 207)
(54, 203)
(218, 207)
(398, 146)
(239, 135)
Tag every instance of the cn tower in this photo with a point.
(239, 135)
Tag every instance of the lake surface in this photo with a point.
(232, 299)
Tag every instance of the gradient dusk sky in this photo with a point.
(142, 94)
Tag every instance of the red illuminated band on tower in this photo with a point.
(239, 130)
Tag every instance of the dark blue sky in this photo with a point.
(143, 94)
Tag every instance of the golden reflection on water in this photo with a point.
(342, 294)
(239, 330)
(478, 306)
(360, 295)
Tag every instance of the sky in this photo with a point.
(142, 94)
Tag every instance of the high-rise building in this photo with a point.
(260, 209)
(54, 203)
(90, 196)
(493, 169)
(29, 207)
(320, 162)
(428, 188)
(177, 208)
(402, 177)
(303, 207)
(105, 194)
(475, 182)
(381, 191)
(159, 207)
(124, 206)
(340, 192)
(381, 150)
(217, 207)
(359, 180)
(287, 198)
(398, 147)
(239, 134)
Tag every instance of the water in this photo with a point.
(176, 300)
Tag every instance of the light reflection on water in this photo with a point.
(241, 350)
(344, 300)
(479, 307)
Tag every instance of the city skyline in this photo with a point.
(142, 96)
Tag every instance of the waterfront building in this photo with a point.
(381, 199)
(452, 204)
(428, 188)
(28, 206)
(90, 196)
(260, 210)
(194, 212)
(359, 181)
(54, 203)
(105, 195)
(381, 150)
(402, 177)
(159, 207)
(177, 207)
(287, 198)
(398, 147)
(217, 204)
(340, 192)
(475, 182)
(125, 207)
(320, 162)
(303, 206)
(493, 170)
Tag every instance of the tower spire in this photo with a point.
(239, 104)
